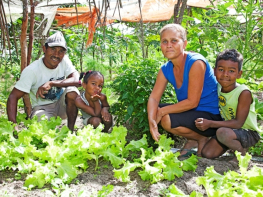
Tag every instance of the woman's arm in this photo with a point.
(243, 106)
(153, 102)
(89, 110)
(195, 88)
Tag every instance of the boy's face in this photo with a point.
(226, 74)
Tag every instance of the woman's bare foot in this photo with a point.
(188, 146)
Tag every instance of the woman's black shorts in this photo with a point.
(187, 119)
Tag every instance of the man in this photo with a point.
(50, 82)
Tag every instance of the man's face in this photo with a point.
(53, 56)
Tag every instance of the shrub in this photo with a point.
(133, 87)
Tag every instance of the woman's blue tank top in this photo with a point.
(209, 97)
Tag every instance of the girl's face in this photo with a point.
(94, 85)
(172, 44)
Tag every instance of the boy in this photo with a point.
(239, 131)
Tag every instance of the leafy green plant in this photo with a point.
(245, 183)
(155, 165)
(133, 87)
(213, 30)
(173, 191)
(259, 109)
(257, 149)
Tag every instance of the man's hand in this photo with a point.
(154, 130)
(43, 89)
(202, 124)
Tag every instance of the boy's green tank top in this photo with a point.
(228, 106)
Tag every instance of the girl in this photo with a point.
(92, 103)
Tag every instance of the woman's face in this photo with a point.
(172, 44)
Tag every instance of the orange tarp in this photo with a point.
(64, 17)
(151, 11)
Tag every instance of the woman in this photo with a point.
(195, 88)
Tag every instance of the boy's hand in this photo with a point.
(202, 124)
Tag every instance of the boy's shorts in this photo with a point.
(187, 119)
(55, 109)
(246, 137)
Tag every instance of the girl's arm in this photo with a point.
(88, 109)
(105, 107)
(195, 88)
(244, 101)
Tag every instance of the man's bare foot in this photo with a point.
(188, 146)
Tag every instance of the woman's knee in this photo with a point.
(166, 122)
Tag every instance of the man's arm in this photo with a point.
(71, 80)
(11, 108)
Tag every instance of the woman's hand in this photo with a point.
(202, 124)
(159, 115)
(154, 130)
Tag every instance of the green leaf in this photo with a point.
(130, 110)
(165, 143)
(243, 161)
(123, 173)
(35, 179)
(190, 163)
(113, 154)
(175, 191)
(66, 171)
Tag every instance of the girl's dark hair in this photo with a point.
(88, 74)
(231, 54)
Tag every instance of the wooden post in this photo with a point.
(23, 43)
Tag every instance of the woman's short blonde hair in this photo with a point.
(176, 27)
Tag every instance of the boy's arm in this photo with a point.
(89, 110)
(244, 101)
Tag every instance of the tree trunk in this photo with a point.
(31, 33)
(179, 12)
(181, 15)
(23, 43)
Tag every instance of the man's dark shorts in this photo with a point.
(187, 119)
(246, 137)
